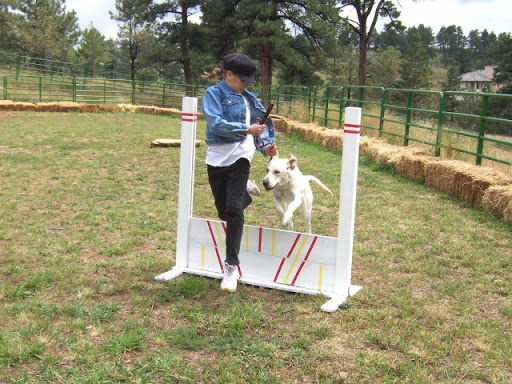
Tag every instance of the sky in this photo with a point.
(493, 15)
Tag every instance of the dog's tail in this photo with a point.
(313, 178)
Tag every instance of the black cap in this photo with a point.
(242, 65)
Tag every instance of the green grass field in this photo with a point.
(88, 218)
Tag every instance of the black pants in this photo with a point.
(229, 188)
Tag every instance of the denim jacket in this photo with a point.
(224, 111)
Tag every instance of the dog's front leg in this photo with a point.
(290, 209)
(279, 208)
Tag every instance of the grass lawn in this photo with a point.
(88, 218)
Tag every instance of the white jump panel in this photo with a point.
(273, 258)
(300, 261)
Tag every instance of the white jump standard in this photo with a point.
(272, 258)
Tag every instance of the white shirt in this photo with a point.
(222, 155)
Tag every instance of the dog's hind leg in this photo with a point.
(307, 210)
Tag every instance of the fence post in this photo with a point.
(382, 110)
(5, 87)
(133, 91)
(18, 66)
(278, 95)
(341, 108)
(40, 89)
(440, 124)
(73, 82)
(314, 105)
(481, 130)
(163, 96)
(408, 119)
(326, 113)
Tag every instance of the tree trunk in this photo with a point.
(266, 76)
(363, 53)
(185, 59)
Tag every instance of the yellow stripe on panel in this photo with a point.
(299, 251)
(320, 267)
(246, 239)
(273, 242)
(219, 236)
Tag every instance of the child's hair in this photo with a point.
(217, 72)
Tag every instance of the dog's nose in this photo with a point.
(265, 183)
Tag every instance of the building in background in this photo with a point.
(480, 80)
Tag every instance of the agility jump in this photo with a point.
(271, 258)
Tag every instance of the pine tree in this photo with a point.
(48, 31)
(133, 17)
(92, 48)
(415, 68)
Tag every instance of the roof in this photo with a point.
(476, 76)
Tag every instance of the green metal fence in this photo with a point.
(475, 126)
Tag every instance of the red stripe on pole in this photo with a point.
(356, 129)
(184, 116)
(305, 259)
(287, 256)
(215, 245)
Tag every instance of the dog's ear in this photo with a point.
(292, 162)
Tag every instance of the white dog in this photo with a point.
(290, 189)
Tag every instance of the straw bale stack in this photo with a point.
(380, 152)
(127, 107)
(147, 109)
(466, 181)
(411, 162)
(109, 108)
(89, 108)
(6, 105)
(58, 107)
(21, 106)
(333, 140)
(498, 200)
(298, 127)
(281, 124)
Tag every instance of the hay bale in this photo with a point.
(300, 129)
(21, 106)
(466, 181)
(498, 200)
(89, 108)
(45, 107)
(365, 143)
(58, 107)
(441, 175)
(281, 124)
(148, 109)
(6, 105)
(410, 161)
(173, 143)
(333, 139)
(109, 108)
(380, 152)
(472, 181)
(164, 111)
(127, 107)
